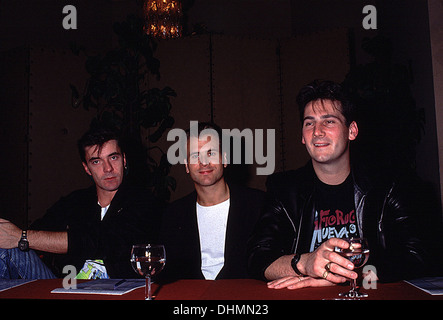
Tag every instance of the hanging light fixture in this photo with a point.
(163, 18)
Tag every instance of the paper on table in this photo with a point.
(431, 285)
(104, 286)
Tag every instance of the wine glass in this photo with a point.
(148, 260)
(358, 254)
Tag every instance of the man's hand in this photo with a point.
(325, 263)
(322, 267)
(298, 283)
(10, 234)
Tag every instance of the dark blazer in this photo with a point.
(132, 218)
(182, 243)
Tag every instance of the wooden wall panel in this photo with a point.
(246, 94)
(184, 66)
(252, 87)
(322, 55)
(54, 128)
(13, 135)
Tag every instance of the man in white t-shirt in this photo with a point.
(205, 233)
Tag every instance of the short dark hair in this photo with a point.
(326, 90)
(203, 126)
(98, 135)
(196, 129)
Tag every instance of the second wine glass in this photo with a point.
(358, 254)
(148, 260)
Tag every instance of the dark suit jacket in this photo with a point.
(132, 218)
(182, 243)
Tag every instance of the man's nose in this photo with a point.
(318, 130)
(203, 160)
(107, 166)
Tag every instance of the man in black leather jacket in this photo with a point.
(311, 209)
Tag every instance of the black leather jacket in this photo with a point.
(398, 222)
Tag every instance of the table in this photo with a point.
(244, 289)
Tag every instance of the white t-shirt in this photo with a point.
(212, 222)
(103, 211)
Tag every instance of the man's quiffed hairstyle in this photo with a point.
(202, 126)
(98, 134)
(326, 90)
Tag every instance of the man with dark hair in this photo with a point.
(312, 209)
(91, 229)
(205, 233)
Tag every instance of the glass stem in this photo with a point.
(354, 287)
(148, 288)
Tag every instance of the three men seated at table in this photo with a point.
(220, 230)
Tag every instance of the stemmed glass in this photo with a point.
(148, 260)
(358, 254)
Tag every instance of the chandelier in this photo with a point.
(163, 18)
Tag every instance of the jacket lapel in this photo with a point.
(193, 236)
(117, 203)
(305, 223)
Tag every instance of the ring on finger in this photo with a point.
(328, 266)
(325, 274)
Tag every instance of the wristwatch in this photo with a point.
(295, 259)
(23, 244)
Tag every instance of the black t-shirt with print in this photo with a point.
(334, 212)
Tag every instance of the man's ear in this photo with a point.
(85, 166)
(353, 130)
(186, 165)
(225, 159)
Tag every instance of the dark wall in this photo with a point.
(38, 24)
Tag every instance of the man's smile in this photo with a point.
(319, 145)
